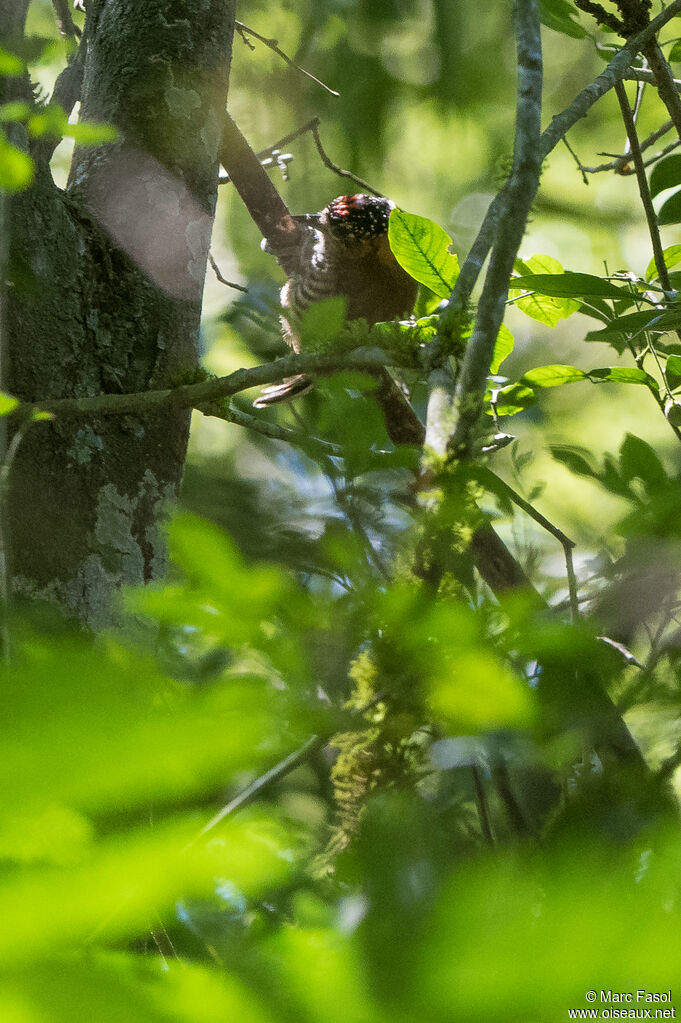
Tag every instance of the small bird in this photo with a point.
(344, 252)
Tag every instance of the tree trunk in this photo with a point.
(104, 296)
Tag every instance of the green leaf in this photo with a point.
(573, 458)
(8, 403)
(575, 285)
(322, 322)
(91, 133)
(638, 459)
(623, 375)
(421, 247)
(623, 327)
(559, 15)
(511, 399)
(672, 257)
(553, 376)
(544, 308)
(671, 210)
(16, 168)
(14, 112)
(10, 64)
(675, 52)
(672, 372)
(665, 174)
(503, 347)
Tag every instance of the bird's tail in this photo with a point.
(287, 390)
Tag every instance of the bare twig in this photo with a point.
(644, 190)
(664, 82)
(223, 280)
(264, 782)
(334, 166)
(267, 428)
(244, 31)
(265, 154)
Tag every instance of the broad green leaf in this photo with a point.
(671, 210)
(568, 284)
(137, 737)
(126, 987)
(623, 375)
(549, 310)
(672, 372)
(552, 376)
(672, 257)
(635, 323)
(559, 15)
(665, 174)
(476, 692)
(118, 886)
(573, 458)
(322, 322)
(675, 52)
(638, 459)
(503, 347)
(16, 168)
(7, 403)
(421, 247)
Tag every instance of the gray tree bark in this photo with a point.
(104, 296)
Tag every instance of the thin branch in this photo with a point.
(197, 395)
(267, 428)
(223, 280)
(263, 782)
(644, 190)
(614, 72)
(520, 192)
(559, 127)
(265, 154)
(334, 166)
(664, 82)
(244, 31)
(267, 208)
(481, 803)
(645, 75)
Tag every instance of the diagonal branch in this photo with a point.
(518, 197)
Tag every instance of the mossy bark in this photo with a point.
(104, 296)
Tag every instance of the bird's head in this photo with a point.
(356, 218)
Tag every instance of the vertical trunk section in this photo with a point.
(105, 296)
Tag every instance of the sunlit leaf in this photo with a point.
(574, 285)
(553, 376)
(543, 307)
(503, 347)
(421, 247)
(623, 375)
(672, 257)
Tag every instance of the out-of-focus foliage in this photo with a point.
(460, 832)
